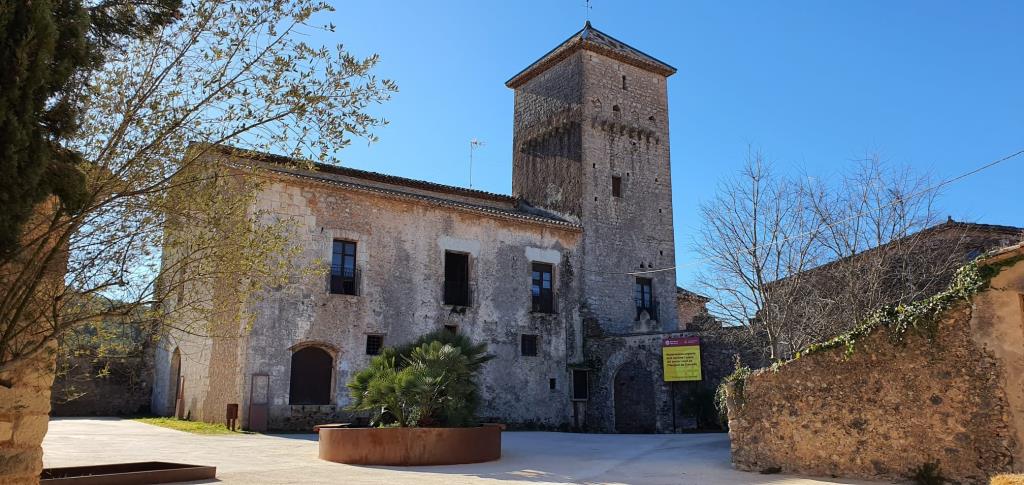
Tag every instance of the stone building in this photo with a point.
(569, 280)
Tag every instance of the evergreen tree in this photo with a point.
(48, 48)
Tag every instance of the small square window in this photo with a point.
(580, 385)
(616, 186)
(528, 345)
(452, 328)
(373, 344)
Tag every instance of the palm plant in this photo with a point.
(430, 382)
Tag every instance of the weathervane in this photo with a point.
(588, 8)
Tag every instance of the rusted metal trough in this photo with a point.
(127, 474)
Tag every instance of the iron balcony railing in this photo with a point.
(544, 303)
(344, 281)
(650, 306)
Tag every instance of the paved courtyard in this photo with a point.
(526, 457)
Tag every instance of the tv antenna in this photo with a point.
(473, 145)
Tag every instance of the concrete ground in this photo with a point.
(526, 457)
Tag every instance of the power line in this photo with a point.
(831, 225)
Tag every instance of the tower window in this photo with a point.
(616, 186)
(615, 108)
(580, 387)
(552, 384)
(623, 82)
(528, 345)
(643, 296)
(373, 344)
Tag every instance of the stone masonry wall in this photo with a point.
(576, 127)
(625, 135)
(24, 416)
(883, 412)
(125, 390)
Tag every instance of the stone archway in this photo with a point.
(634, 399)
(311, 376)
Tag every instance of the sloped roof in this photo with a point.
(424, 191)
(594, 40)
(931, 231)
(683, 292)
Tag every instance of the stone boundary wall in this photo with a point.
(125, 391)
(881, 413)
(24, 416)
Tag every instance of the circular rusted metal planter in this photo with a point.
(410, 446)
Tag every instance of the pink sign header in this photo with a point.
(680, 341)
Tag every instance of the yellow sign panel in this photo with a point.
(680, 358)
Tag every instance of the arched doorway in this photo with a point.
(312, 369)
(634, 399)
(174, 385)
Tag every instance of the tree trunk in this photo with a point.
(24, 414)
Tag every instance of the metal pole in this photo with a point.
(672, 392)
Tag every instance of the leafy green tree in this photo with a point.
(48, 49)
(166, 222)
(167, 217)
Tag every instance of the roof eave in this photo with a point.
(560, 54)
(577, 42)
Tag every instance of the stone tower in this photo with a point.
(591, 144)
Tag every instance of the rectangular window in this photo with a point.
(456, 279)
(580, 385)
(616, 186)
(452, 328)
(373, 344)
(541, 288)
(644, 297)
(552, 384)
(343, 268)
(528, 346)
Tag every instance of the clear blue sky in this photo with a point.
(935, 85)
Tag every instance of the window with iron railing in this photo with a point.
(541, 288)
(456, 279)
(344, 276)
(374, 343)
(643, 296)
